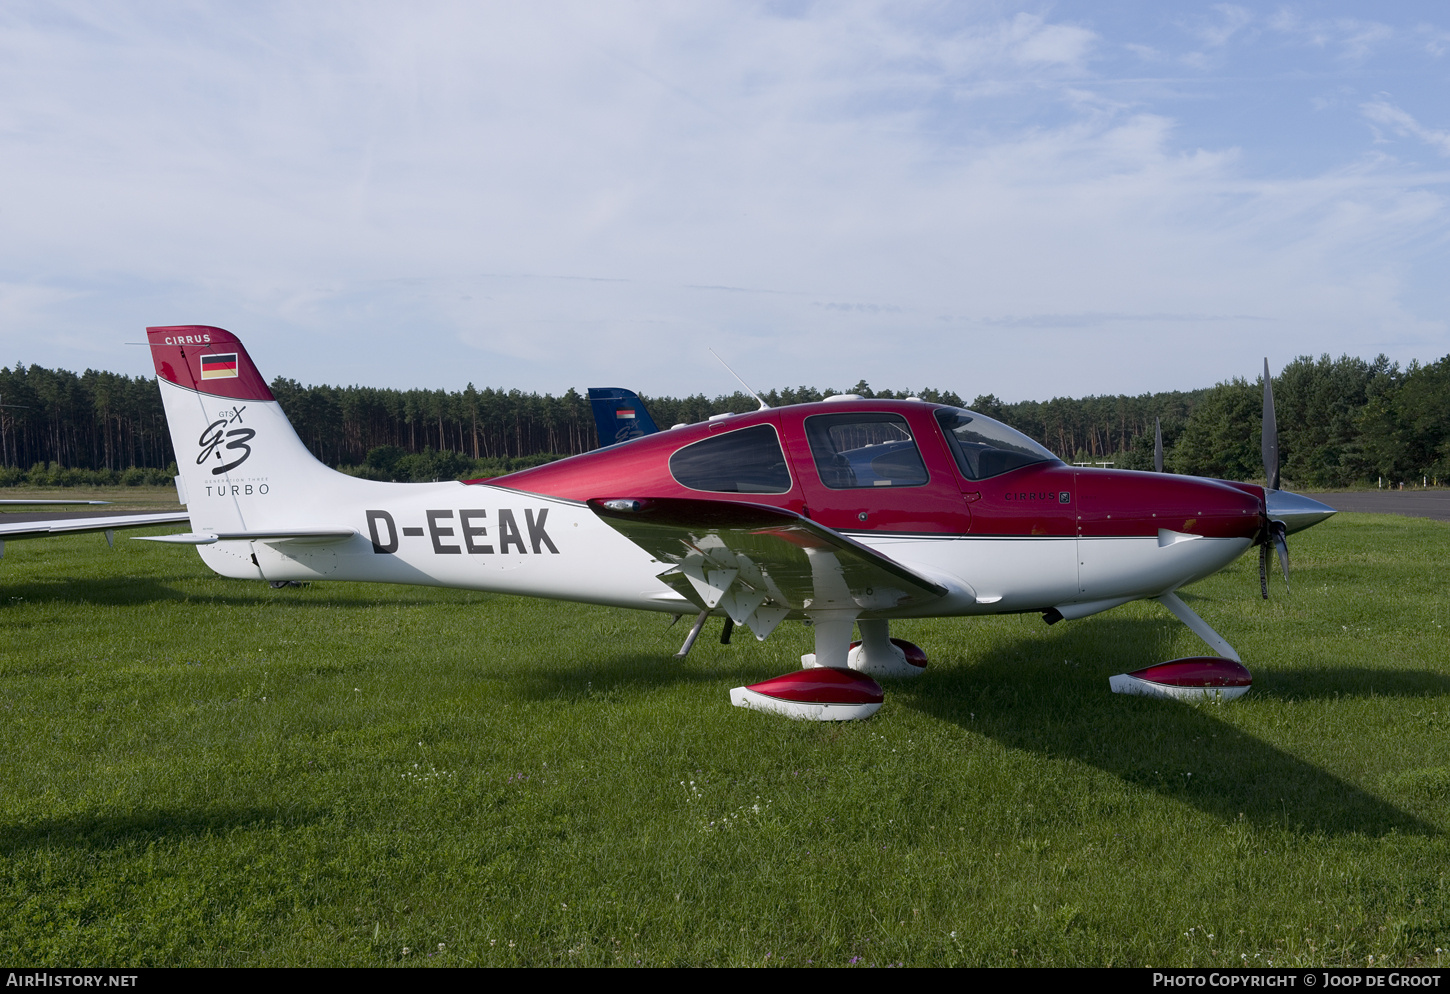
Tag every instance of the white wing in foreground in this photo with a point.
(760, 564)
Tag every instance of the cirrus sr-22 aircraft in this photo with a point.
(848, 513)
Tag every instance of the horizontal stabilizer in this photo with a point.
(33, 528)
(33, 503)
(268, 535)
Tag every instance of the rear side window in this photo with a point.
(864, 450)
(749, 461)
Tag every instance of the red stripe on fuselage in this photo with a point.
(1048, 500)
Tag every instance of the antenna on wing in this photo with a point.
(763, 405)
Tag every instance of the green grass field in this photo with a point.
(200, 771)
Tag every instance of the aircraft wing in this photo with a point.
(39, 526)
(759, 564)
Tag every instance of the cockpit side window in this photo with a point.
(749, 461)
(864, 450)
(985, 448)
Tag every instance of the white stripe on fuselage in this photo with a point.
(489, 538)
(475, 537)
(1011, 574)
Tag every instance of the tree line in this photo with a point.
(1341, 421)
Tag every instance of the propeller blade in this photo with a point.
(1269, 446)
(1158, 445)
(1264, 571)
(1283, 549)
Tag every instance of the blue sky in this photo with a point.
(1030, 200)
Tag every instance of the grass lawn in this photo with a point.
(119, 498)
(201, 771)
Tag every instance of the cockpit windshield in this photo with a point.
(984, 448)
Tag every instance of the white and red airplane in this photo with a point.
(848, 513)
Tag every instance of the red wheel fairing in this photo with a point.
(1194, 677)
(821, 694)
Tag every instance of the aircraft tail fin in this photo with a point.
(619, 415)
(241, 464)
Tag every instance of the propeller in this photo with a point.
(1274, 531)
(1270, 445)
(1157, 445)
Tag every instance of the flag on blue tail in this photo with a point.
(619, 415)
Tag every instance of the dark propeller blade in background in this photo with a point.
(1269, 447)
(1275, 530)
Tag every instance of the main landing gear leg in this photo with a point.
(881, 655)
(833, 641)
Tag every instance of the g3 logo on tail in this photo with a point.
(213, 434)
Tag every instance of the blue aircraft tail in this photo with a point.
(619, 415)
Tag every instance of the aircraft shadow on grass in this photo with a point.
(129, 591)
(636, 671)
(139, 828)
(1026, 697)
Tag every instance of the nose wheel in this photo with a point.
(1193, 678)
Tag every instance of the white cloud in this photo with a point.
(1056, 44)
(1352, 39)
(549, 194)
(1402, 123)
(1230, 19)
(1436, 40)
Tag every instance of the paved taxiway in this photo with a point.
(1413, 503)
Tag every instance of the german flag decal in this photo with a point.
(219, 367)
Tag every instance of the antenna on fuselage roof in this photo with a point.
(763, 405)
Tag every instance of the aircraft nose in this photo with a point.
(1295, 510)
